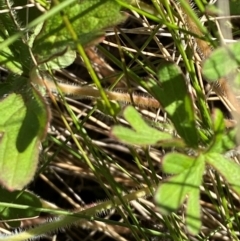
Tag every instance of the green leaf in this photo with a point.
(175, 163)
(193, 212)
(14, 83)
(142, 133)
(234, 7)
(60, 61)
(37, 111)
(8, 60)
(172, 193)
(229, 140)
(218, 123)
(22, 126)
(8, 57)
(222, 62)
(218, 128)
(16, 56)
(173, 95)
(227, 168)
(18, 197)
(223, 140)
(88, 18)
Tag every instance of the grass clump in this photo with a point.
(135, 145)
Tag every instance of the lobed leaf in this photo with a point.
(172, 193)
(227, 168)
(142, 133)
(175, 163)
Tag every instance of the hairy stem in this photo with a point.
(76, 217)
(79, 92)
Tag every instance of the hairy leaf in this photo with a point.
(88, 18)
(16, 56)
(22, 127)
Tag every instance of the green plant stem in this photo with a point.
(88, 214)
